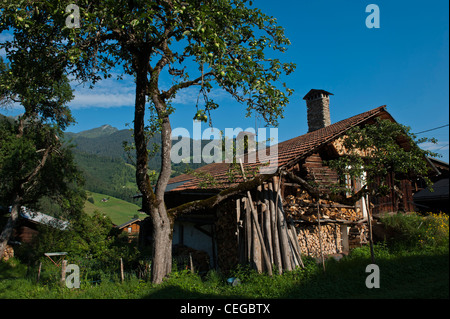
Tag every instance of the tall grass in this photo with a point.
(430, 231)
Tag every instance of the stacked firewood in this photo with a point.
(304, 207)
(358, 235)
(9, 253)
(308, 239)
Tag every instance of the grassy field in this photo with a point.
(404, 275)
(118, 210)
(413, 266)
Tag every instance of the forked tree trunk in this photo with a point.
(153, 200)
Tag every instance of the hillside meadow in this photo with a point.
(118, 210)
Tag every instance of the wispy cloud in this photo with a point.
(113, 93)
(439, 146)
(109, 93)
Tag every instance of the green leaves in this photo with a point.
(381, 149)
(201, 116)
(233, 40)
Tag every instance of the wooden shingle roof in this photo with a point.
(289, 152)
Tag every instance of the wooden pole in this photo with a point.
(258, 229)
(267, 225)
(369, 222)
(39, 271)
(121, 269)
(240, 234)
(248, 230)
(63, 271)
(256, 247)
(256, 240)
(191, 263)
(286, 253)
(320, 235)
(295, 245)
(274, 225)
(238, 218)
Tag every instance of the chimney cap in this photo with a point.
(313, 92)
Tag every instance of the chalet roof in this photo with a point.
(43, 219)
(130, 222)
(440, 192)
(289, 152)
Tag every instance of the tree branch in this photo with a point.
(167, 94)
(41, 164)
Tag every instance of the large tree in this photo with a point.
(209, 44)
(33, 161)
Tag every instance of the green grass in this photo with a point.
(414, 266)
(404, 275)
(118, 210)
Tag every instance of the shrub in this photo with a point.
(428, 231)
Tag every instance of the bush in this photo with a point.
(430, 231)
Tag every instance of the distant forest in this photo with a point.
(108, 169)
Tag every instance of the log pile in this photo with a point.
(302, 206)
(9, 253)
(271, 233)
(308, 239)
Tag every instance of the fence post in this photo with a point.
(39, 272)
(63, 271)
(121, 269)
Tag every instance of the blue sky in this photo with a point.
(404, 64)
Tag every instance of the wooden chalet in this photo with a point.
(131, 228)
(28, 227)
(278, 221)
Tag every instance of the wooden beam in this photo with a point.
(255, 221)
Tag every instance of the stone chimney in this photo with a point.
(318, 105)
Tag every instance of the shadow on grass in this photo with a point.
(408, 277)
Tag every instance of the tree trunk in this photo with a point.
(163, 224)
(153, 201)
(8, 229)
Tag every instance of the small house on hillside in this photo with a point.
(131, 228)
(278, 220)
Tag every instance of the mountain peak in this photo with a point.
(103, 130)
